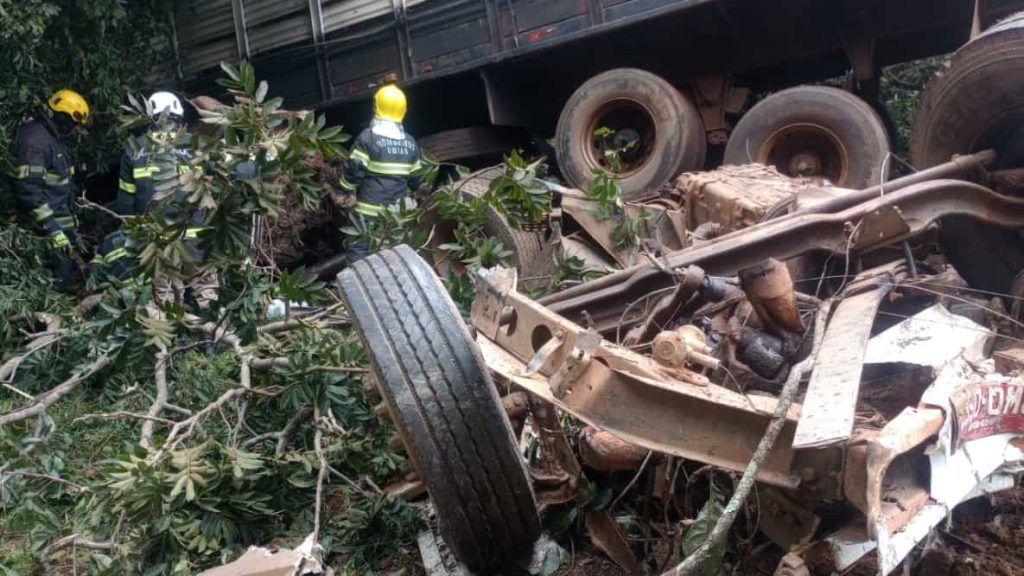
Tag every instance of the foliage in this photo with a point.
(194, 496)
(902, 85)
(604, 188)
(701, 529)
(397, 224)
(96, 47)
(612, 154)
(26, 286)
(518, 194)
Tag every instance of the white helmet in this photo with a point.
(164, 102)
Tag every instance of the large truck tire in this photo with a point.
(814, 132)
(444, 405)
(530, 254)
(639, 107)
(976, 102)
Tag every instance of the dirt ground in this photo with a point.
(987, 538)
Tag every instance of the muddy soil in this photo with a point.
(987, 538)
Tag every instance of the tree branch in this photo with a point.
(47, 399)
(289, 429)
(40, 475)
(292, 323)
(159, 402)
(72, 540)
(318, 445)
(39, 341)
(124, 414)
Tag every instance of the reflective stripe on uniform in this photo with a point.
(25, 170)
(42, 212)
(126, 186)
(134, 282)
(191, 233)
(51, 179)
(66, 221)
(345, 184)
(359, 156)
(368, 208)
(115, 255)
(391, 168)
(145, 172)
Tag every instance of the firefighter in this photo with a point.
(135, 185)
(43, 176)
(166, 147)
(383, 166)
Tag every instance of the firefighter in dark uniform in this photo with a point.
(165, 149)
(383, 166)
(136, 184)
(43, 176)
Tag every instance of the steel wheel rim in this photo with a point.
(631, 120)
(806, 150)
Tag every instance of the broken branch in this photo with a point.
(159, 403)
(293, 423)
(321, 474)
(72, 540)
(47, 399)
(41, 476)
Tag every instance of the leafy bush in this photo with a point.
(176, 436)
(96, 47)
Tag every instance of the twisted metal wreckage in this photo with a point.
(907, 411)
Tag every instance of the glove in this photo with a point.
(59, 240)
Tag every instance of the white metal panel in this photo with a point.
(289, 31)
(342, 13)
(258, 12)
(201, 21)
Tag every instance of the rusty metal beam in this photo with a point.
(830, 405)
(674, 412)
(918, 207)
(955, 168)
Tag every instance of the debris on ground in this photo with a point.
(301, 561)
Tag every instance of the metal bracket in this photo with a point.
(575, 363)
(880, 226)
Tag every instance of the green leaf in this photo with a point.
(261, 91)
(701, 529)
(231, 71)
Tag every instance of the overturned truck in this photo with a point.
(889, 315)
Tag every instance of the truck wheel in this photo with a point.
(529, 256)
(662, 129)
(445, 407)
(814, 132)
(977, 102)
(475, 142)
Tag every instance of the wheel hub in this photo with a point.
(805, 164)
(631, 142)
(807, 151)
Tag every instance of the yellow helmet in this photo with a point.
(389, 103)
(71, 103)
